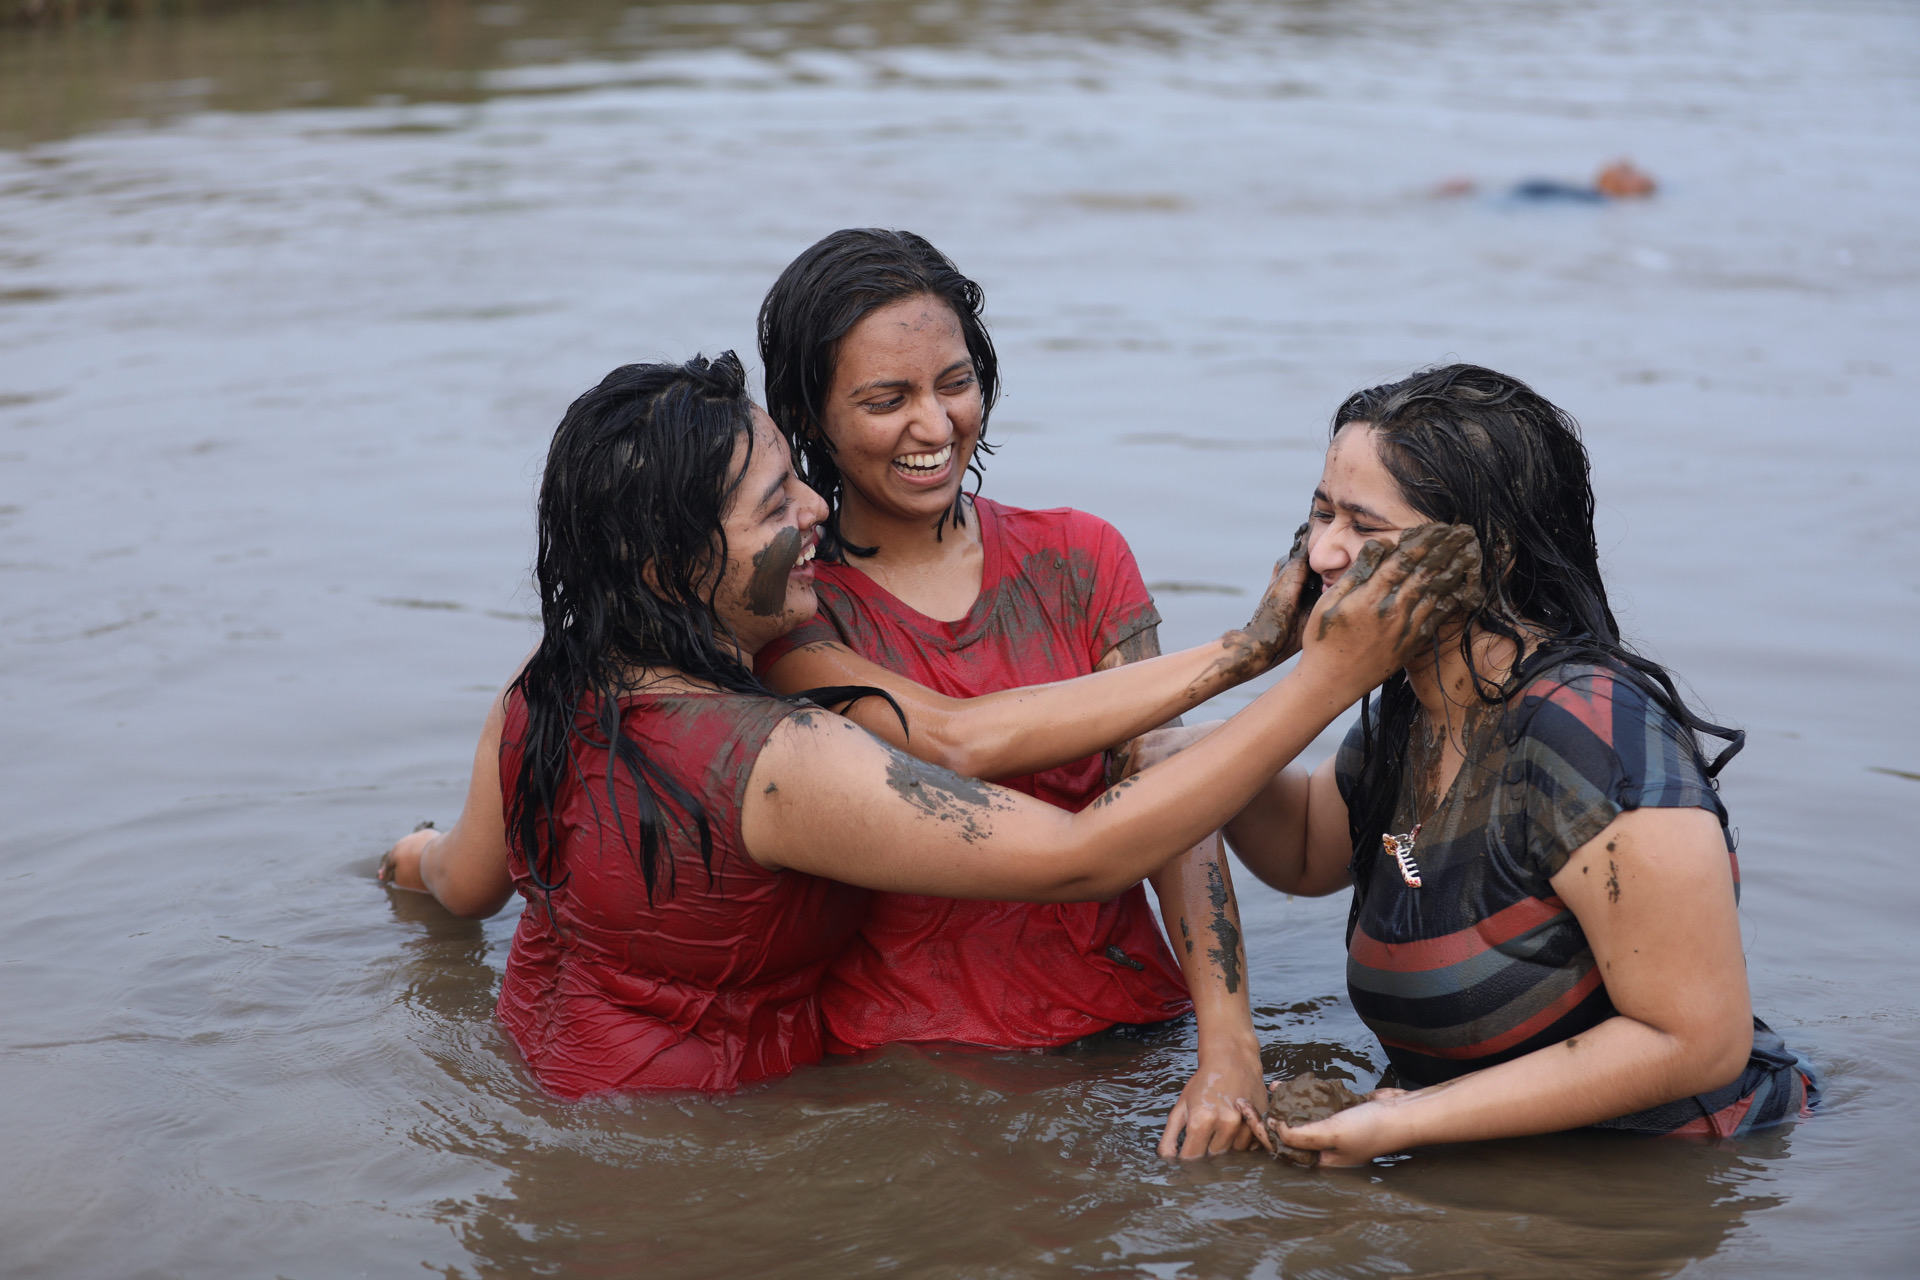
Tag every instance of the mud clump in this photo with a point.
(1303, 1100)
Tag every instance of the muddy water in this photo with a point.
(290, 298)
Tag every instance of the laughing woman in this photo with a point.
(880, 371)
(694, 850)
(1543, 932)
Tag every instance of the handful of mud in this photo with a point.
(1302, 1100)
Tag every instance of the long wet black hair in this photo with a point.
(815, 303)
(1471, 446)
(638, 482)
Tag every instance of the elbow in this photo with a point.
(1088, 886)
(1718, 1053)
(467, 898)
(962, 758)
(474, 908)
(975, 756)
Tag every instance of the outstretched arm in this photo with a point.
(1292, 834)
(830, 799)
(465, 866)
(1018, 731)
(1654, 893)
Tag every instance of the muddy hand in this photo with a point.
(1393, 601)
(1258, 1123)
(1274, 629)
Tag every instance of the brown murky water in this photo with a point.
(290, 297)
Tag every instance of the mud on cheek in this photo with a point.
(772, 565)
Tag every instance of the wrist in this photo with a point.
(429, 863)
(1322, 685)
(1232, 1042)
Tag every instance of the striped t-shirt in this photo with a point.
(1483, 963)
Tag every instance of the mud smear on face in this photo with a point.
(772, 565)
(942, 793)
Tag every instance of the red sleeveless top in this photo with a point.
(1058, 589)
(715, 982)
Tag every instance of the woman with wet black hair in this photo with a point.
(1544, 928)
(694, 850)
(881, 373)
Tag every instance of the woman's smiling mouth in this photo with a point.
(924, 466)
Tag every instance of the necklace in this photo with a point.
(1400, 848)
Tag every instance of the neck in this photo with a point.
(1446, 685)
(904, 541)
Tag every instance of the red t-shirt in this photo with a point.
(1058, 589)
(712, 984)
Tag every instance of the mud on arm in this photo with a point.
(1012, 732)
(1202, 919)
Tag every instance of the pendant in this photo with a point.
(1401, 849)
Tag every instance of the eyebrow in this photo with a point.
(879, 383)
(1320, 495)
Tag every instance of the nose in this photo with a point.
(811, 506)
(1328, 554)
(931, 424)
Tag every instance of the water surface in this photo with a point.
(291, 297)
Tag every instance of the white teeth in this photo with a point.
(807, 554)
(925, 461)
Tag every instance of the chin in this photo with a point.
(802, 604)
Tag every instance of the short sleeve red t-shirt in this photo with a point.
(709, 982)
(1058, 589)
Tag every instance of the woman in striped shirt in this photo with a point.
(1544, 930)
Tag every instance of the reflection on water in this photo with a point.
(277, 366)
(322, 53)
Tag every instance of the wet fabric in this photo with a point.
(1058, 589)
(712, 984)
(1483, 963)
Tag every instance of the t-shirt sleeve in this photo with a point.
(1592, 746)
(1347, 760)
(1121, 607)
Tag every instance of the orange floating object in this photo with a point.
(1621, 181)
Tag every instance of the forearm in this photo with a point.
(1171, 806)
(1203, 921)
(466, 872)
(464, 867)
(1013, 732)
(1619, 1067)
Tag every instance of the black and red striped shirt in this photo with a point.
(1483, 963)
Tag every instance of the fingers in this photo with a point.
(1210, 1131)
(1200, 1129)
(1317, 1136)
(1257, 1125)
(385, 874)
(1430, 575)
(1169, 1148)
